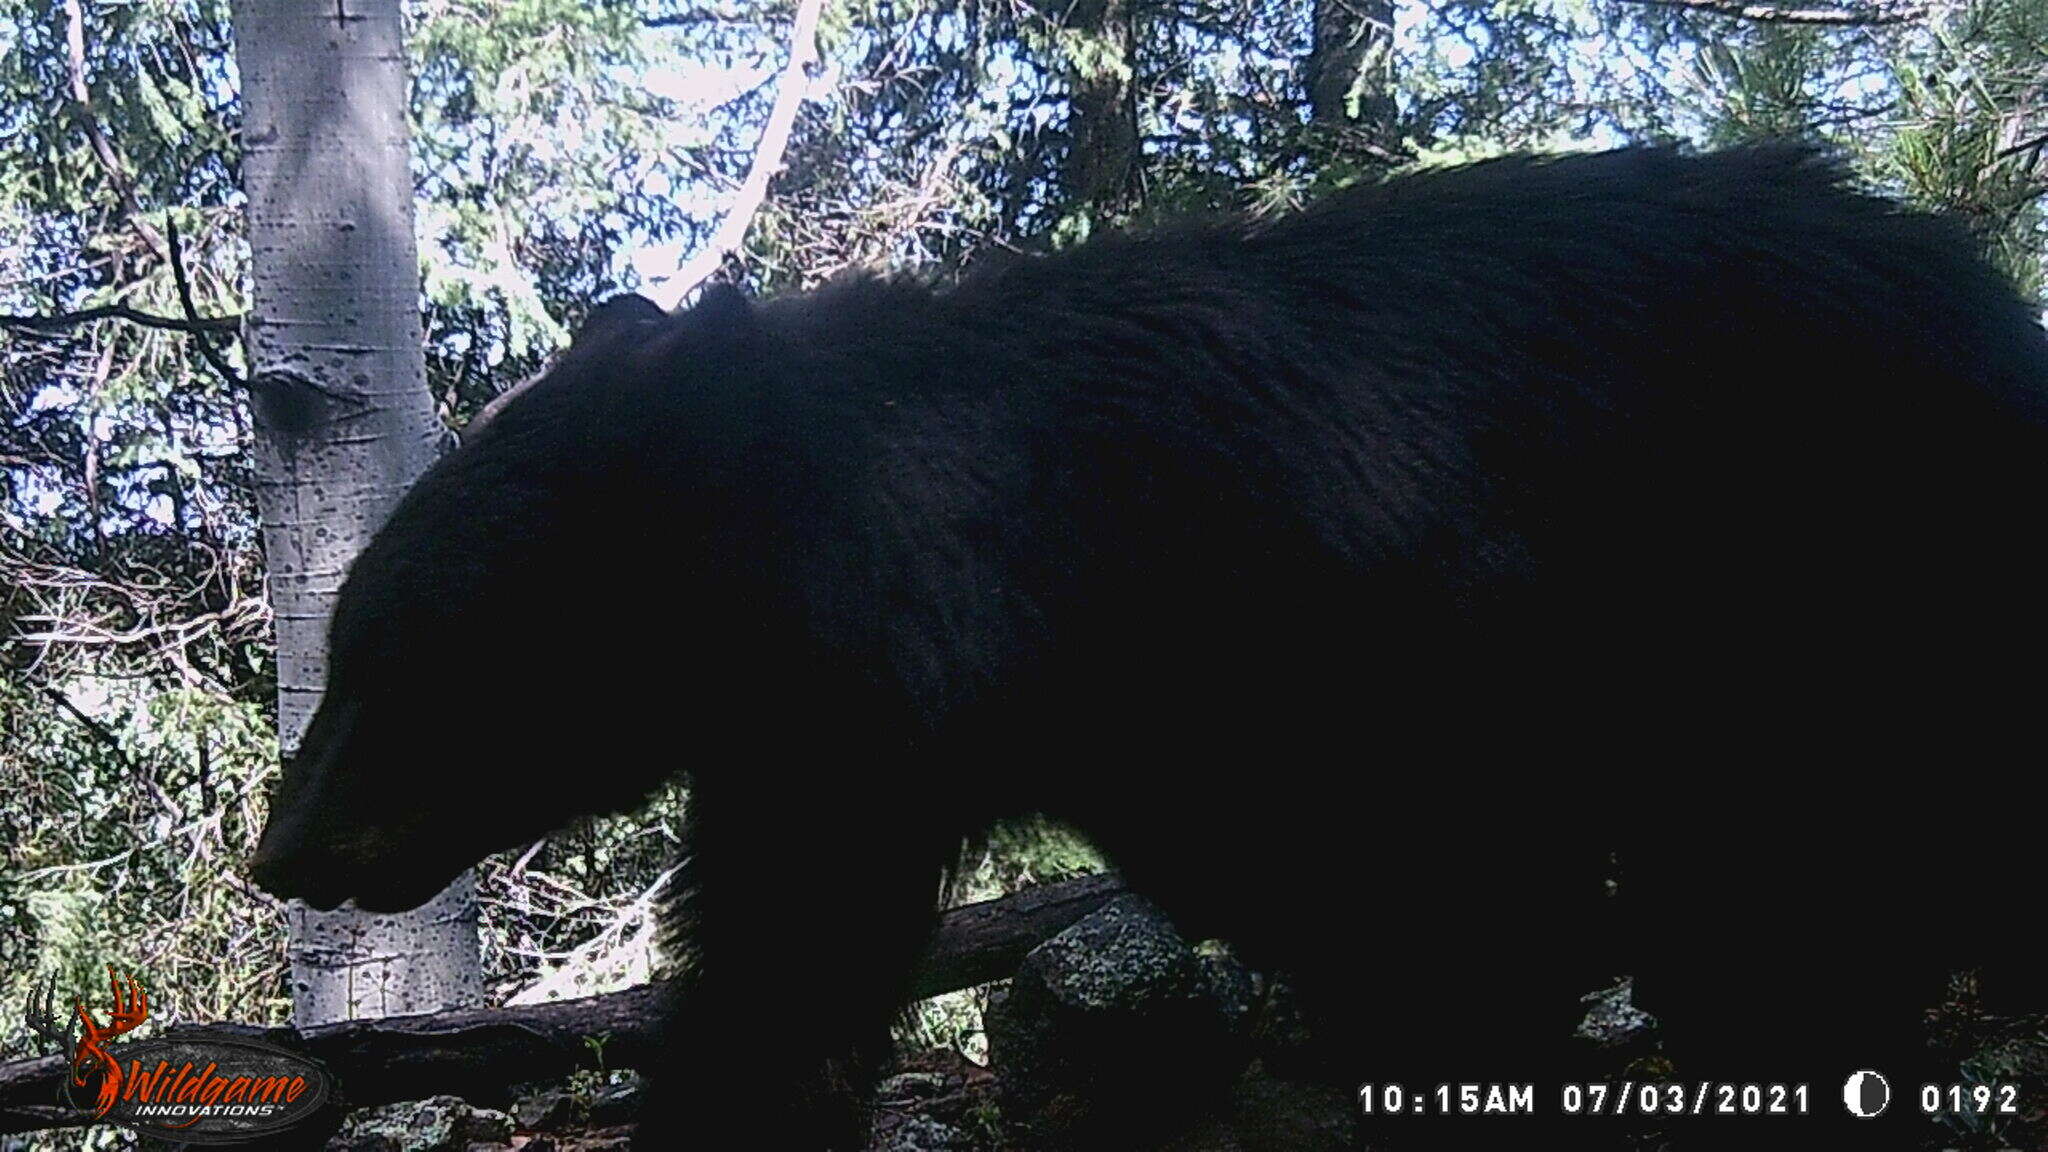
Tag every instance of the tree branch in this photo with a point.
(62, 320)
(693, 19)
(732, 231)
(496, 404)
(102, 147)
(99, 731)
(206, 349)
(2036, 144)
(1829, 14)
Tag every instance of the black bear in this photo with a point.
(1350, 578)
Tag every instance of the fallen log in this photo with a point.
(977, 943)
(481, 1053)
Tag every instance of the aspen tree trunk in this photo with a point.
(343, 419)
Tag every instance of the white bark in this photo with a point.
(343, 419)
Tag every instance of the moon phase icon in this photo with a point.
(1866, 1094)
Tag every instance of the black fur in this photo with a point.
(1351, 578)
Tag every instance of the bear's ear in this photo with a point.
(616, 315)
(723, 307)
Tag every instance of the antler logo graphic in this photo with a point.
(188, 1089)
(88, 1051)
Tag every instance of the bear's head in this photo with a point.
(500, 647)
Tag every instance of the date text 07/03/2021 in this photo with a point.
(1863, 1094)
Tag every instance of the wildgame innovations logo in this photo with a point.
(198, 1090)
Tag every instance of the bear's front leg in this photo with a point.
(805, 917)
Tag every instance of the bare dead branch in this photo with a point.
(102, 147)
(732, 231)
(747, 199)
